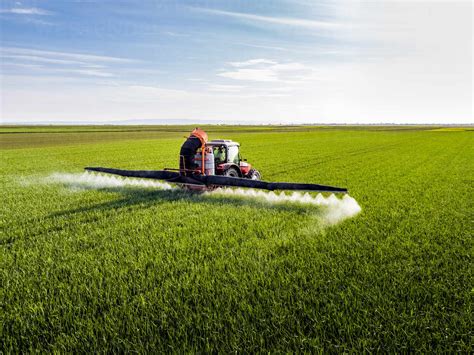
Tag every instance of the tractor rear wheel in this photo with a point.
(254, 175)
(231, 172)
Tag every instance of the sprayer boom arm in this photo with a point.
(145, 174)
(211, 181)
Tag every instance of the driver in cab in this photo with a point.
(220, 154)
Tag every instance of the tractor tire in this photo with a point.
(254, 175)
(231, 172)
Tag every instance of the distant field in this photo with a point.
(149, 270)
(36, 136)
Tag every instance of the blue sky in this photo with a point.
(233, 61)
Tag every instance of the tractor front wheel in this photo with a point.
(254, 175)
(231, 172)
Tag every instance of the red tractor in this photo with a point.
(220, 157)
(229, 162)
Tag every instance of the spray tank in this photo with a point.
(209, 168)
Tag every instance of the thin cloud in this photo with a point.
(262, 46)
(80, 72)
(252, 62)
(250, 75)
(266, 70)
(32, 58)
(286, 21)
(37, 21)
(61, 62)
(225, 88)
(74, 56)
(175, 34)
(88, 72)
(20, 65)
(26, 11)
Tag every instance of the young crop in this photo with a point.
(130, 267)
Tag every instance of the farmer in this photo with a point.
(220, 155)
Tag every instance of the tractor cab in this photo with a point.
(225, 151)
(228, 161)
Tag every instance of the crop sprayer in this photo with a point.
(206, 165)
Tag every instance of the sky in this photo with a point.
(236, 61)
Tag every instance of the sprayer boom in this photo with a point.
(210, 182)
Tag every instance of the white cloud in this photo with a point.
(57, 63)
(226, 88)
(144, 92)
(289, 67)
(89, 72)
(32, 58)
(285, 21)
(175, 34)
(70, 55)
(252, 62)
(20, 65)
(26, 11)
(275, 48)
(250, 74)
(267, 70)
(61, 63)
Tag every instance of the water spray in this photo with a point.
(335, 209)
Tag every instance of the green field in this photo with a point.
(147, 270)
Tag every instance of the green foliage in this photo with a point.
(137, 269)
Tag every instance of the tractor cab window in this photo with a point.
(220, 154)
(234, 154)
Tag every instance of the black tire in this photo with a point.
(254, 175)
(231, 172)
